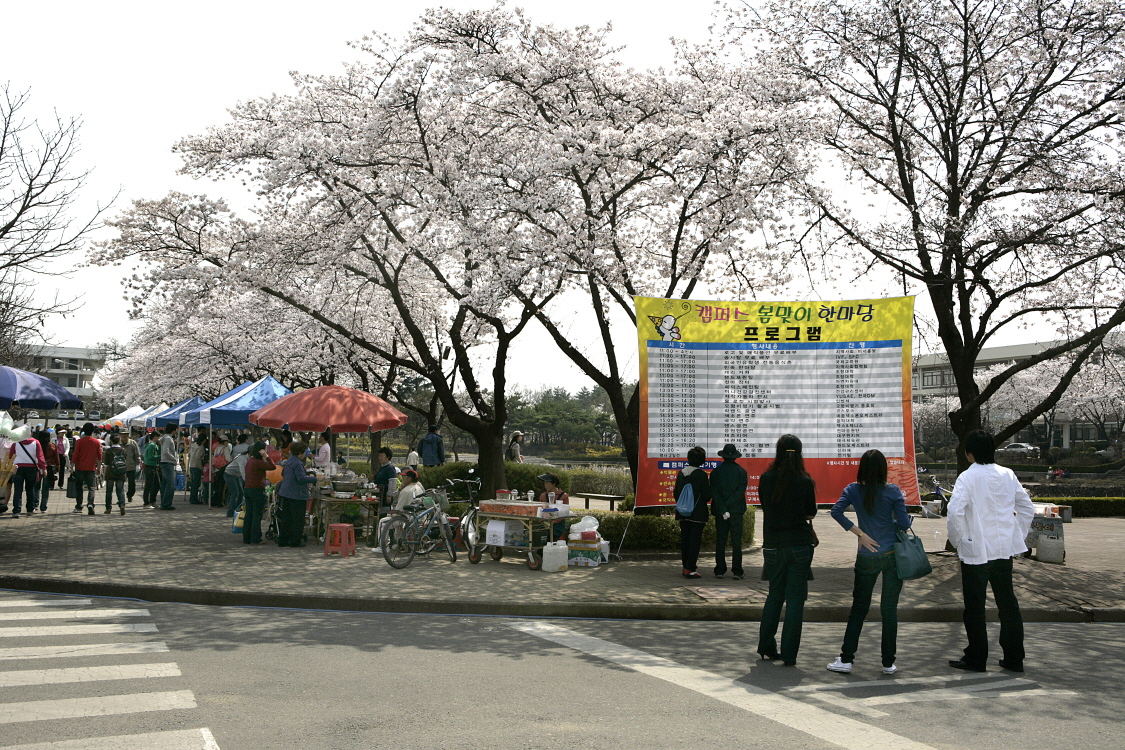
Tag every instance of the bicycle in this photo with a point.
(411, 531)
(468, 522)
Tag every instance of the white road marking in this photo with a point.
(890, 681)
(77, 614)
(89, 649)
(73, 708)
(183, 739)
(840, 701)
(817, 722)
(20, 678)
(45, 602)
(865, 706)
(50, 630)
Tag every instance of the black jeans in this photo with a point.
(62, 472)
(151, 491)
(691, 539)
(975, 579)
(132, 477)
(255, 506)
(788, 570)
(45, 488)
(25, 477)
(89, 480)
(867, 570)
(291, 521)
(723, 529)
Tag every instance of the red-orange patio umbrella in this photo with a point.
(329, 407)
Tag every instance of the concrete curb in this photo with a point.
(561, 609)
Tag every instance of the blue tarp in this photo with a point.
(172, 414)
(235, 407)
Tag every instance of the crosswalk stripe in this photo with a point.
(89, 649)
(182, 739)
(108, 705)
(23, 677)
(45, 602)
(77, 614)
(49, 630)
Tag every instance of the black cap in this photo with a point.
(548, 477)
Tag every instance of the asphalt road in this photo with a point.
(79, 673)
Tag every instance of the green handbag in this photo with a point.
(910, 557)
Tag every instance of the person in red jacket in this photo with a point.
(86, 458)
(31, 467)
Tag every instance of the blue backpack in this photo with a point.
(685, 503)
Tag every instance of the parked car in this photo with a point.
(1105, 455)
(33, 415)
(94, 416)
(79, 415)
(1022, 450)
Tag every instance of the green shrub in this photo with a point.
(600, 482)
(435, 476)
(627, 505)
(647, 533)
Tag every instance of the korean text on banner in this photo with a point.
(835, 374)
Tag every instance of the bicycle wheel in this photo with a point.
(470, 535)
(447, 539)
(394, 538)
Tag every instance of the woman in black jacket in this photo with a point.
(788, 497)
(691, 525)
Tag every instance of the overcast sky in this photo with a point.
(141, 75)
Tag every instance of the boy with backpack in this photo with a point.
(692, 493)
(116, 471)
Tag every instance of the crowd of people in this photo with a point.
(989, 516)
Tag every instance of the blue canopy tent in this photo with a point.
(234, 408)
(139, 420)
(172, 414)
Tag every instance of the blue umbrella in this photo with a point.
(30, 391)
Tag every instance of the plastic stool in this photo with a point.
(340, 538)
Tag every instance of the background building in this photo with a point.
(71, 367)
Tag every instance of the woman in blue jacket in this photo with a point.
(294, 493)
(880, 510)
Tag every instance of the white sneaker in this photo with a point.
(890, 670)
(840, 666)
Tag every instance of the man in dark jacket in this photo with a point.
(432, 448)
(691, 525)
(728, 506)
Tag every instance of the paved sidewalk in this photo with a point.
(190, 555)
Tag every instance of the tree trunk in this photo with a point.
(490, 457)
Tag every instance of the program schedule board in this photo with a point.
(835, 374)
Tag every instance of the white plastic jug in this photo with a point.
(555, 557)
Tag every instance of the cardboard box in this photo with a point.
(587, 555)
(583, 562)
(504, 533)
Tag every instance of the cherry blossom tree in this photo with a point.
(987, 134)
(610, 183)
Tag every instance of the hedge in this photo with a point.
(646, 533)
(522, 477)
(1093, 507)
